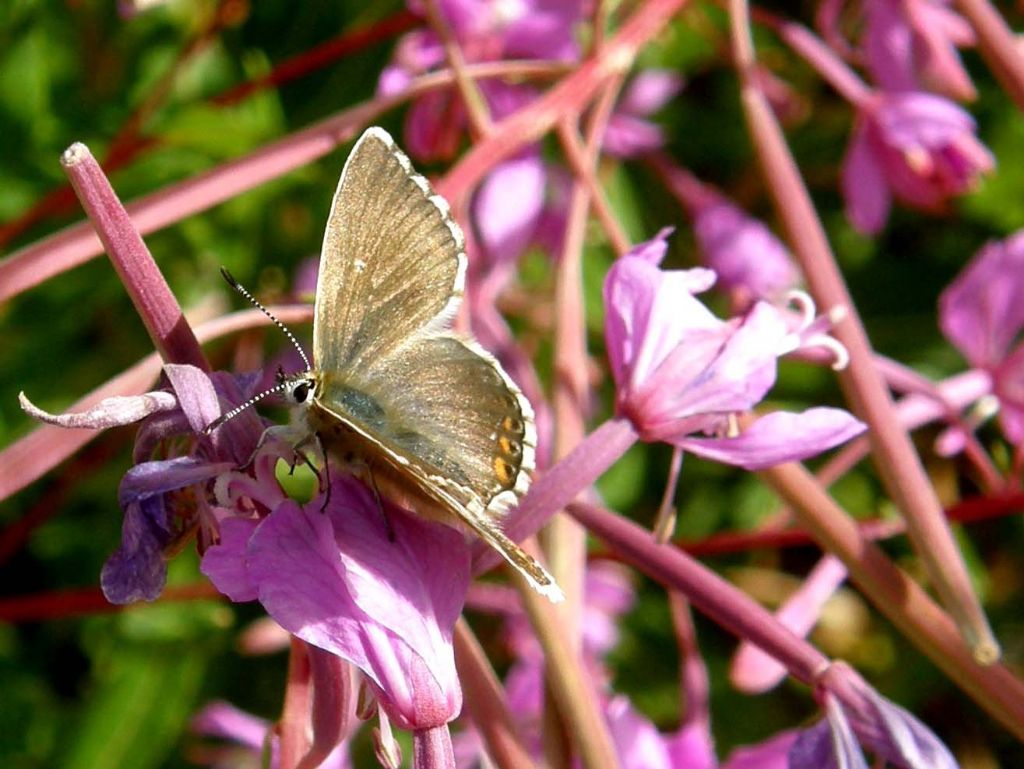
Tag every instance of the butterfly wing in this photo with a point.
(392, 263)
(446, 406)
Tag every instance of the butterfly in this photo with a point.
(434, 419)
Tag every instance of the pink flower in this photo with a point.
(982, 314)
(912, 44)
(336, 580)
(505, 231)
(679, 370)
(920, 148)
(753, 670)
(165, 500)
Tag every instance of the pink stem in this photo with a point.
(898, 597)
(824, 60)
(77, 243)
(333, 700)
(152, 297)
(295, 713)
(485, 702)
(432, 748)
(560, 485)
(719, 600)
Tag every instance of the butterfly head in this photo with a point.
(298, 389)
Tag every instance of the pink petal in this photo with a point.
(110, 412)
(648, 314)
(773, 753)
(225, 563)
(337, 581)
(691, 747)
(637, 741)
(1010, 391)
(755, 671)
(627, 136)
(653, 252)
(779, 437)
(743, 252)
(649, 91)
(981, 311)
(630, 289)
(222, 719)
(545, 31)
(828, 744)
(195, 393)
(726, 370)
(888, 46)
(865, 189)
(393, 79)
(506, 229)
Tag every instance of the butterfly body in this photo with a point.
(432, 417)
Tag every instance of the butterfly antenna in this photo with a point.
(280, 387)
(256, 303)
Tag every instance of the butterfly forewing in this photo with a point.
(392, 260)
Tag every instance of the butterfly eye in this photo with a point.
(301, 392)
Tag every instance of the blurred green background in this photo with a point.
(117, 689)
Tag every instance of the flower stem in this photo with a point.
(472, 98)
(714, 596)
(568, 97)
(485, 702)
(77, 243)
(432, 748)
(149, 292)
(576, 154)
(822, 58)
(571, 687)
(295, 714)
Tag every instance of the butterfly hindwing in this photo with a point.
(446, 406)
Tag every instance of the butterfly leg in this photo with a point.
(326, 480)
(380, 505)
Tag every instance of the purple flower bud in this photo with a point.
(629, 133)
(917, 147)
